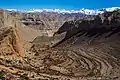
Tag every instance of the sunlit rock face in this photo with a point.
(10, 42)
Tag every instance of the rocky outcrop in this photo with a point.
(10, 41)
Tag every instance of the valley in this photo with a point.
(52, 46)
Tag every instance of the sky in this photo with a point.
(58, 4)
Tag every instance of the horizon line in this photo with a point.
(56, 9)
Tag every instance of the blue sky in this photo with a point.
(58, 4)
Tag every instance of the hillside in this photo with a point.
(81, 49)
(49, 22)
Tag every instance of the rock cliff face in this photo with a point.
(10, 42)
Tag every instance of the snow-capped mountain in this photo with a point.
(83, 10)
(13, 10)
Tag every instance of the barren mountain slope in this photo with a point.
(95, 44)
(88, 50)
(48, 22)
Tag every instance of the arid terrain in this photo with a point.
(50, 46)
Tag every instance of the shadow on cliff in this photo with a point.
(107, 23)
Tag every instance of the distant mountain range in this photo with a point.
(83, 10)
